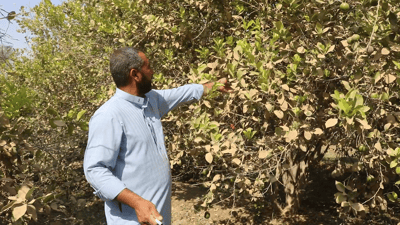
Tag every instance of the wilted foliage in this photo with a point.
(309, 76)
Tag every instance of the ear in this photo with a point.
(134, 75)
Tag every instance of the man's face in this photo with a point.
(146, 72)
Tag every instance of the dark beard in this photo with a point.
(144, 86)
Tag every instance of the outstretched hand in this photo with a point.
(225, 88)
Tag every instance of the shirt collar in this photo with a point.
(131, 98)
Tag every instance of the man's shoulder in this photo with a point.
(109, 108)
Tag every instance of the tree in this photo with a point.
(4, 15)
(308, 75)
(5, 53)
(5, 49)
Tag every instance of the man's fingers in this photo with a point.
(157, 220)
(223, 80)
(226, 87)
(157, 217)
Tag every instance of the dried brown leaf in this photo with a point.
(23, 191)
(390, 78)
(385, 51)
(301, 50)
(216, 178)
(209, 158)
(19, 211)
(357, 206)
(285, 87)
(331, 123)
(307, 135)
(364, 124)
(284, 106)
(59, 123)
(236, 161)
(279, 114)
(378, 146)
(54, 206)
(318, 131)
(292, 135)
(264, 154)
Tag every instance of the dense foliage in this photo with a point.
(309, 77)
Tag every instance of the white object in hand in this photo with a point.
(158, 222)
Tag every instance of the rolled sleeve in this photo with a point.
(101, 154)
(172, 98)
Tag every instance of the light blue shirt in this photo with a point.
(126, 149)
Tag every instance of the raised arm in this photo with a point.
(171, 98)
(223, 86)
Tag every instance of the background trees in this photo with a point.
(309, 77)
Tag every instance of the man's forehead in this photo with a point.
(143, 56)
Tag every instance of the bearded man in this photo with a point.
(126, 161)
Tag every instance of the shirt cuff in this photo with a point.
(199, 90)
(110, 191)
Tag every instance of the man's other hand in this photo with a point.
(147, 213)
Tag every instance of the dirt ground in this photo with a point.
(318, 207)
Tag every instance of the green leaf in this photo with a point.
(11, 15)
(364, 109)
(201, 68)
(47, 197)
(397, 64)
(392, 196)
(398, 170)
(340, 187)
(340, 197)
(71, 113)
(346, 85)
(396, 152)
(30, 192)
(344, 106)
(84, 126)
(80, 114)
(51, 111)
(391, 152)
(384, 96)
(318, 28)
(71, 129)
(10, 204)
(336, 96)
(359, 100)
(279, 25)
(393, 163)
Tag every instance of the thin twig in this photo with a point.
(376, 19)
(380, 169)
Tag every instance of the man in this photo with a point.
(126, 160)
